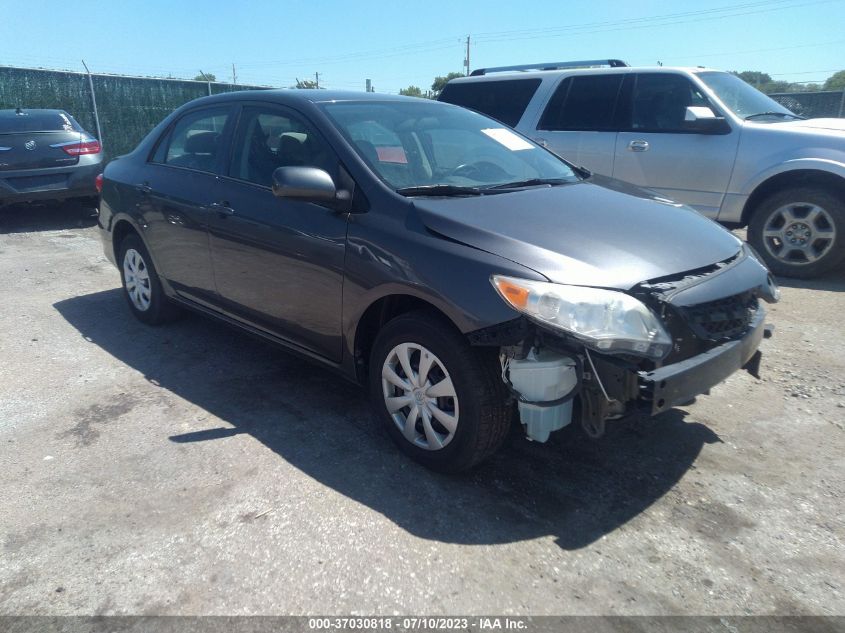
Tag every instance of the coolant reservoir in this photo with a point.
(543, 377)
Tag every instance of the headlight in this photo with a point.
(606, 320)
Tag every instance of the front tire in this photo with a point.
(142, 285)
(799, 232)
(440, 400)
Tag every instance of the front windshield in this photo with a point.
(413, 145)
(740, 97)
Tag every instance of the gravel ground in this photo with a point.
(190, 469)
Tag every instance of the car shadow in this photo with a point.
(573, 488)
(47, 216)
(833, 281)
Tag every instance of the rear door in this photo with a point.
(656, 150)
(278, 263)
(174, 192)
(580, 121)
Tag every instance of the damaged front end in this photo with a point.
(667, 341)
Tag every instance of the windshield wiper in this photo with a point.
(439, 190)
(780, 114)
(531, 182)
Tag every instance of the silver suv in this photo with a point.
(698, 136)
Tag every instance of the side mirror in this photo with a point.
(304, 183)
(703, 120)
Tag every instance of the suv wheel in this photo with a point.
(439, 399)
(800, 232)
(141, 284)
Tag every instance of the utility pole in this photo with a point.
(369, 85)
(234, 76)
(317, 79)
(466, 61)
(94, 103)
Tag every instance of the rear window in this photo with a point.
(12, 122)
(505, 101)
(583, 103)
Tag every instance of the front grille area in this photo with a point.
(723, 319)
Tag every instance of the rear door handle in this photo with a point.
(638, 146)
(222, 208)
(144, 189)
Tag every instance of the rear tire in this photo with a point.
(456, 415)
(799, 232)
(142, 285)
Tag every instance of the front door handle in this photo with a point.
(222, 208)
(144, 189)
(638, 146)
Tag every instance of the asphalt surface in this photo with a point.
(190, 469)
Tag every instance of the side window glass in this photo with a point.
(194, 142)
(661, 100)
(583, 103)
(504, 100)
(267, 139)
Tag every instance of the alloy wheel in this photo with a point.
(799, 233)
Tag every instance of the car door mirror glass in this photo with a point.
(304, 183)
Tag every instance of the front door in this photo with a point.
(278, 264)
(656, 151)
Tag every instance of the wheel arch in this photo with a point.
(121, 228)
(792, 178)
(377, 314)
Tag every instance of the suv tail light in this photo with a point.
(98, 183)
(78, 148)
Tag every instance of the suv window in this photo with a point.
(194, 142)
(505, 101)
(268, 138)
(661, 101)
(586, 102)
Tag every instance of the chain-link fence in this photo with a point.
(813, 105)
(128, 107)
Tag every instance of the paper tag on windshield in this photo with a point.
(508, 139)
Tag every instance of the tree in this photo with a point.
(754, 77)
(205, 77)
(440, 82)
(411, 91)
(835, 81)
(306, 83)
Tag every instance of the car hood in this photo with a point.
(816, 124)
(599, 232)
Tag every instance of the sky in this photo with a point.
(398, 43)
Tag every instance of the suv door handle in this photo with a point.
(222, 208)
(638, 146)
(144, 189)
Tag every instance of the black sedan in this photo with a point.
(465, 274)
(46, 155)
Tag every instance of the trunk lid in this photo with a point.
(37, 150)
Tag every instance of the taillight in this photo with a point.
(98, 183)
(78, 148)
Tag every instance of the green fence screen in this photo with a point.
(128, 107)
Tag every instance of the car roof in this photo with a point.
(541, 74)
(303, 95)
(24, 111)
